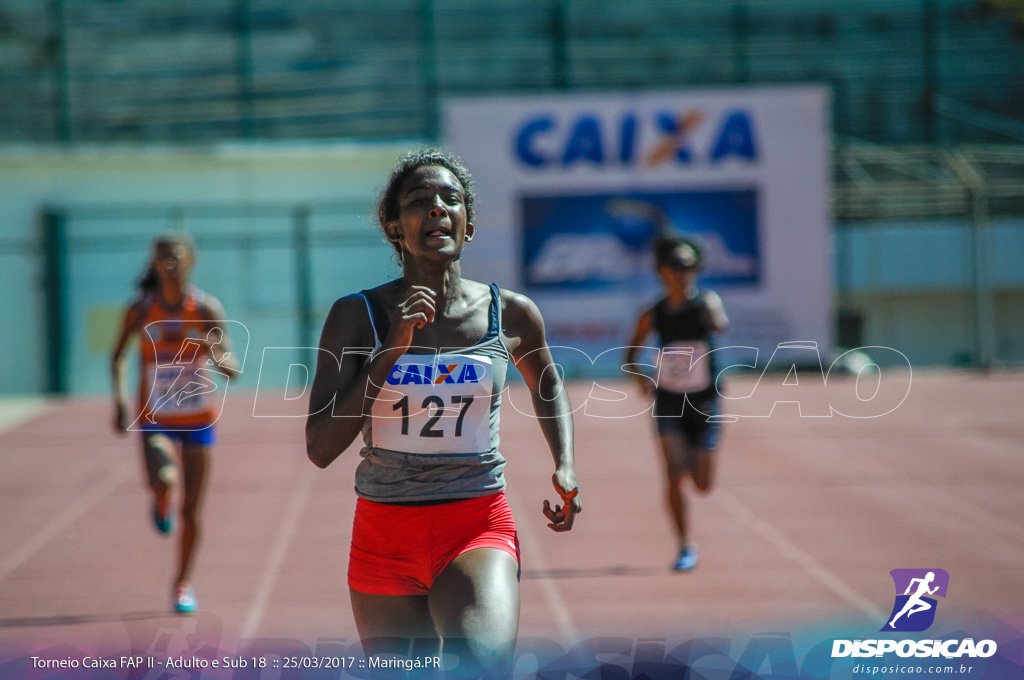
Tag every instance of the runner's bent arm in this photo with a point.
(643, 329)
(718, 322)
(222, 353)
(342, 396)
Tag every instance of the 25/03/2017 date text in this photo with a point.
(330, 662)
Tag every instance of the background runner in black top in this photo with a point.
(685, 393)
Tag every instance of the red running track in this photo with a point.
(807, 518)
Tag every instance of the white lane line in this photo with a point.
(556, 603)
(72, 513)
(278, 551)
(818, 571)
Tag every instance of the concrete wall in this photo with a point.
(937, 328)
(913, 284)
(31, 178)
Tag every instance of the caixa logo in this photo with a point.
(656, 139)
(444, 373)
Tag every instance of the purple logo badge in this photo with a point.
(914, 609)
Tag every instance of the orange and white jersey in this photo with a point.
(176, 385)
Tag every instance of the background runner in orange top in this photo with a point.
(182, 350)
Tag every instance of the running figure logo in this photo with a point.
(188, 364)
(187, 382)
(914, 611)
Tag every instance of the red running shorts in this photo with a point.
(401, 549)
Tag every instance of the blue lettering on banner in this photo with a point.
(584, 143)
(545, 141)
(627, 138)
(672, 127)
(529, 130)
(735, 138)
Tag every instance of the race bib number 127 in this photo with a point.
(434, 404)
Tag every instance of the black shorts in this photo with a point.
(688, 415)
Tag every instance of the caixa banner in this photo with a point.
(575, 189)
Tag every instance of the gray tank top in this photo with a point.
(433, 430)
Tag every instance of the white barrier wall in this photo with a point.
(574, 187)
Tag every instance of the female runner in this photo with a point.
(177, 343)
(685, 321)
(434, 550)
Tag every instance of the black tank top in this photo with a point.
(689, 325)
(691, 322)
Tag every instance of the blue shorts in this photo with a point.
(203, 437)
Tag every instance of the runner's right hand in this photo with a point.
(412, 313)
(563, 516)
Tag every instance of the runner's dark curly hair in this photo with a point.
(387, 204)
